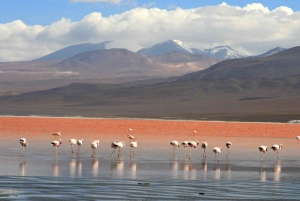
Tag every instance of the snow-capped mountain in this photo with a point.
(220, 52)
(167, 47)
(272, 51)
(226, 52)
(71, 51)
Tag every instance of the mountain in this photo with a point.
(71, 51)
(220, 52)
(282, 64)
(272, 51)
(226, 52)
(124, 63)
(247, 89)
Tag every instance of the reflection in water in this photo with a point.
(204, 168)
(190, 171)
(228, 169)
(72, 167)
(95, 167)
(79, 167)
(277, 170)
(132, 169)
(75, 164)
(117, 167)
(55, 168)
(262, 172)
(174, 167)
(22, 167)
(217, 170)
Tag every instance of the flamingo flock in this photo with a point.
(133, 145)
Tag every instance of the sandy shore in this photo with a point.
(89, 127)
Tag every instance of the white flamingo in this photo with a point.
(56, 134)
(116, 145)
(94, 146)
(131, 137)
(195, 132)
(174, 144)
(23, 143)
(217, 151)
(79, 143)
(133, 145)
(276, 148)
(298, 138)
(185, 144)
(228, 145)
(72, 142)
(55, 144)
(262, 149)
(204, 146)
(192, 144)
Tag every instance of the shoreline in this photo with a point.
(88, 127)
(146, 119)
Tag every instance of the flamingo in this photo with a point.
(72, 142)
(132, 145)
(185, 144)
(56, 134)
(24, 144)
(116, 145)
(174, 144)
(297, 138)
(195, 132)
(55, 144)
(94, 146)
(276, 148)
(79, 143)
(217, 151)
(204, 146)
(192, 144)
(228, 145)
(262, 149)
(131, 137)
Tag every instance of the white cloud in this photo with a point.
(104, 1)
(254, 27)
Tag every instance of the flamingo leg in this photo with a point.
(112, 153)
(72, 148)
(119, 152)
(22, 151)
(130, 152)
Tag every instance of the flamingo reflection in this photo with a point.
(174, 166)
(132, 168)
(262, 172)
(72, 167)
(277, 170)
(217, 170)
(190, 171)
(117, 167)
(55, 168)
(22, 167)
(95, 167)
(204, 168)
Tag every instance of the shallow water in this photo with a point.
(154, 172)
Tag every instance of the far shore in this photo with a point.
(164, 128)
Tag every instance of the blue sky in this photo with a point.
(45, 12)
(33, 28)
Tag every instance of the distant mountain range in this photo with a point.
(262, 88)
(124, 63)
(71, 51)
(220, 52)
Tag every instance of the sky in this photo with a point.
(33, 28)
